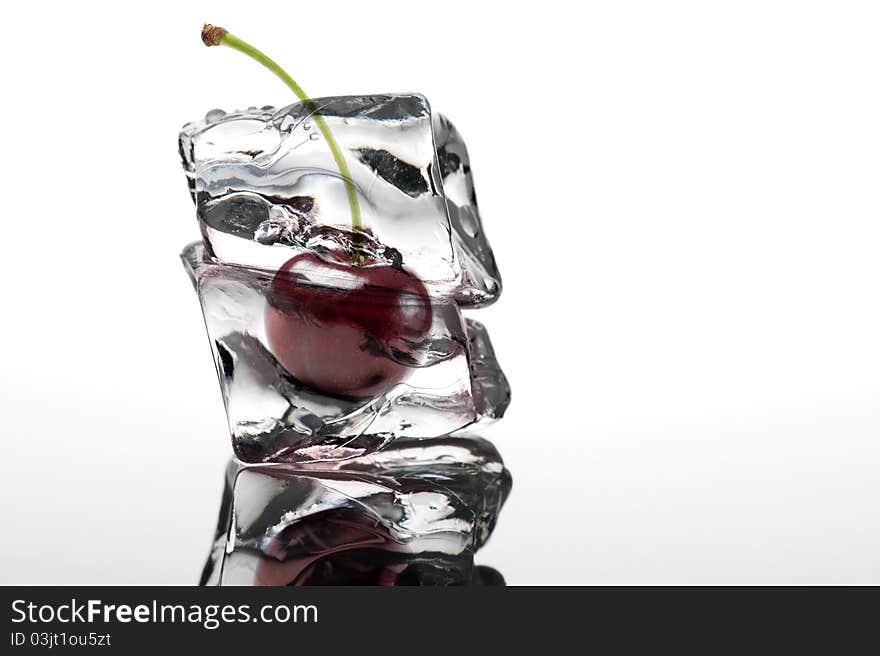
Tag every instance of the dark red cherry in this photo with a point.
(345, 330)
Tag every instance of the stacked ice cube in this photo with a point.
(267, 189)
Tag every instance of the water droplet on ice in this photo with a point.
(314, 136)
(214, 115)
(469, 223)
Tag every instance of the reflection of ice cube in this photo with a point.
(453, 380)
(266, 186)
(414, 513)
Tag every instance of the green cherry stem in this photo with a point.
(218, 36)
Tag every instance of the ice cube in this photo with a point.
(482, 282)
(449, 380)
(488, 382)
(414, 513)
(266, 187)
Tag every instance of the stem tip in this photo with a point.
(212, 34)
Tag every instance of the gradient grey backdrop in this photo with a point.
(684, 203)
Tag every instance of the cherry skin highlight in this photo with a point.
(342, 329)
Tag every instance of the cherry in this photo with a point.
(343, 329)
(348, 337)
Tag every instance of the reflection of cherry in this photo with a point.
(342, 329)
(344, 546)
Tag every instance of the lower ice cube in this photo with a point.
(453, 380)
(412, 514)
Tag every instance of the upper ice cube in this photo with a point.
(266, 187)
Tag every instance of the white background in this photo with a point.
(683, 198)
